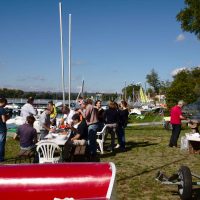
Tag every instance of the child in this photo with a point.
(3, 129)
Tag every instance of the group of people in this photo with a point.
(91, 118)
(83, 121)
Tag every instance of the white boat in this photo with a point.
(12, 106)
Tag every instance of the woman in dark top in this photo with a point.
(100, 114)
(123, 120)
(111, 118)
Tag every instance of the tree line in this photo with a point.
(16, 93)
(185, 85)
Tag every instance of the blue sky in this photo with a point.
(113, 42)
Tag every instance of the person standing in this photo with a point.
(28, 109)
(176, 117)
(90, 114)
(3, 129)
(100, 114)
(123, 120)
(111, 118)
(67, 115)
(45, 123)
(53, 114)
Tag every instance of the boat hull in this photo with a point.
(51, 181)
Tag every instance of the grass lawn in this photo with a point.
(147, 152)
(145, 118)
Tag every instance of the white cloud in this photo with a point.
(177, 70)
(180, 37)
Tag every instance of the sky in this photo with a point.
(114, 43)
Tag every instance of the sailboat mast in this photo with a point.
(69, 59)
(82, 88)
(61, 47)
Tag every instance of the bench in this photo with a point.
(25, 155)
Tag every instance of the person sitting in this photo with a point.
(79, 135)
(27, 134)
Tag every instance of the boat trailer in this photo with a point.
(183, 179)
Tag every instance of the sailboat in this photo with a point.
(81, 91)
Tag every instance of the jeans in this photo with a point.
(176, 129)
(2, 146)
(121, 137)
(113, 131)
(92, 131)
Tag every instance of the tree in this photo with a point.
(184, 86)
(153, 80)
(130, 90)
(190, 17)
(164, 85)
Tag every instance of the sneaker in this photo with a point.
(117, 146)
(98, 151)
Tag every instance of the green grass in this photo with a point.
(147, 153)
(145, 118)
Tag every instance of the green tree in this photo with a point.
(183, 87)
(153, 80)
(190, 17)
(129, 91)
(164, 85)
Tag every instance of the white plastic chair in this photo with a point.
(46, 150)
(101, 137)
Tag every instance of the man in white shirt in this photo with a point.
(67, 115)
(28, 109)
(45, 123)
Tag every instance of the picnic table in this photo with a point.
(59, 137)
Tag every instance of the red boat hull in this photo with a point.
(49, 181)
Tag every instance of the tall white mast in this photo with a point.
(82, 88)
(69, 59)
(62, 58)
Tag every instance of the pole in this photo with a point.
(61, 47)
(69, 59)
(82, 88)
